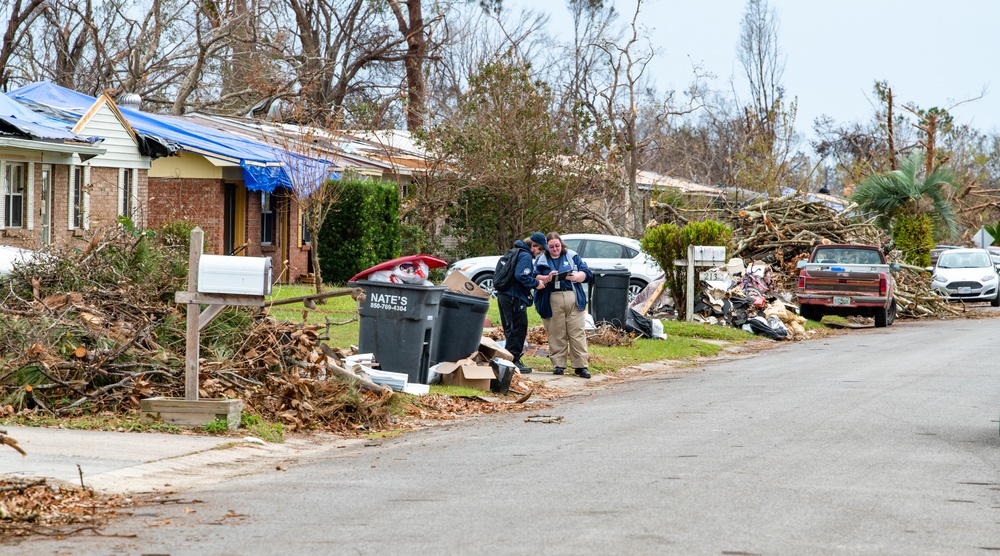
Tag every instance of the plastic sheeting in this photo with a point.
(18, 119)
(264, 169)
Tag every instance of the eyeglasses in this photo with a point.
(554, 245)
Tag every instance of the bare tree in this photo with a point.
(310, 160)
(618, 108)
(335, 49)
(763, 64)
(417, 33)
(20, 16)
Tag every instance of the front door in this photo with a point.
(234, 218)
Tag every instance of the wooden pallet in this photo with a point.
(191, 413)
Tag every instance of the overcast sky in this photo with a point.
(931, 53)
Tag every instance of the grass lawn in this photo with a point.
(684, 340)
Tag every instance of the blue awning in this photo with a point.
(264, 167)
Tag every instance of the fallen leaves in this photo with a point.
(28, 507)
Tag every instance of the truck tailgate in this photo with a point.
(862, 279)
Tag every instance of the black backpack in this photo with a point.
(504, 275)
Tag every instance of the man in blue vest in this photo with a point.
(514, 301)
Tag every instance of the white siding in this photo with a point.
(122, 149)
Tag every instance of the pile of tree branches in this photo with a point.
(781, 231)
(94, 327)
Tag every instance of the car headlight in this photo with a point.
(988, 278)
(939, 278)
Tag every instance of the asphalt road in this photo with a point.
(872, 442)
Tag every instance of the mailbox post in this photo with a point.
(214, 281)
(699, 255)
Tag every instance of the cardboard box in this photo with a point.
(458, 283)
(471, 376)
(491, 349)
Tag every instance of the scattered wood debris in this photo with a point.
(549, 419)
(609, 335)
(35, 507)
(97, 329)
(9, 441)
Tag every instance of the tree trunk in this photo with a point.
(11, 36)
(413, 30)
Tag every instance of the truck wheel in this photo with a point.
(881, 317)
(891, 315)
(811, 313)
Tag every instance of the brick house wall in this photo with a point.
(103, 206)
(190, 199)
(202, 201)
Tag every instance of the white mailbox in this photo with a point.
(234, 275)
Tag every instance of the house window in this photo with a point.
(76, 196)
(266, 219)
(15, 177)
(126, 194)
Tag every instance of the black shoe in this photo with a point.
(582, 373)
(521, 367)
(558, 370)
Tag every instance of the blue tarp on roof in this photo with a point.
(263, 168)
(20, 120)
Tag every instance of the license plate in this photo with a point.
(841, 300)
(964, 290)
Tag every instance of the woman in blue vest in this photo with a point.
(562, 304)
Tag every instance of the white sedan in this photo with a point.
(602, 252)
(967, 275)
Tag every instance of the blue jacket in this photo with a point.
(569, 260)
(524, 272)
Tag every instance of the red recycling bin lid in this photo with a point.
(431, 262)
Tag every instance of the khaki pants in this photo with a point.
(565, 330)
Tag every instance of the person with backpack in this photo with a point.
(513, 281)
(562, 304)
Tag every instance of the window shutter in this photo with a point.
(29, 192)
(3, 194)
(72, 186)
(121, 191)
(134, 188)
(86, 197)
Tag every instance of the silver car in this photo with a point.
(967, 275)
(598, 251)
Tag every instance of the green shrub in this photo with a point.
(667, 242)
(361, 231)
(914, 237)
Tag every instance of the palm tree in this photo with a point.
(916, 211)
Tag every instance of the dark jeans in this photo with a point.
(514, 317)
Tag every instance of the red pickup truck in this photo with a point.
(847, 280)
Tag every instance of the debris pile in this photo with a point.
(30, 507)
(96, 328)
(781, 231)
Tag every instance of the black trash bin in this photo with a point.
(608, 295)
(397, 325)
(459, 326)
